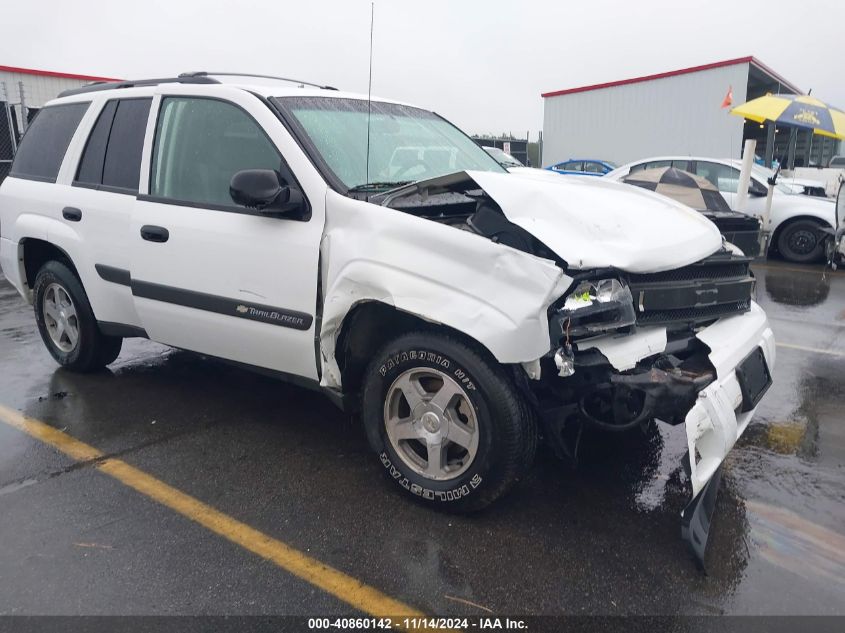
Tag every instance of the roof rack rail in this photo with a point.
(207, 73)
(132, 83)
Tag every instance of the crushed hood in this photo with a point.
(592, 222)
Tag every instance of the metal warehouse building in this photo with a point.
(22, 92)
(675, 112)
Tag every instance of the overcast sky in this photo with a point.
(480, 63)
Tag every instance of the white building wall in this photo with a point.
(673, 115)
(38, 89)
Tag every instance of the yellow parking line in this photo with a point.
(344, 587)
(814, 350)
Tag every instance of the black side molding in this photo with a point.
(202, 301)
(112, 274)
(222, 305)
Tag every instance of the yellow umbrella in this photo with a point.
(801, 111)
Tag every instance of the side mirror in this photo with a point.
(265, 191)
(757, 190)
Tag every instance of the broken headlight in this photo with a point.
(593, 307)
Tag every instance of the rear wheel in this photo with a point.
(66, 321)
(801, 242)
(453, 429)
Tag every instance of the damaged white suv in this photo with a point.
(375, 252)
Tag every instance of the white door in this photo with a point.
(102, 198)
(208, 275)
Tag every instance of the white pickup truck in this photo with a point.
(463, 311)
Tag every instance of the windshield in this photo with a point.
(406, 144)
(764, 173)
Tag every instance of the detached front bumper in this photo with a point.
(710, 381)
(717, 419)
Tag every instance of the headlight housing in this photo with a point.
(593, 307)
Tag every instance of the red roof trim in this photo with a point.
(50, 73)
(673, 73)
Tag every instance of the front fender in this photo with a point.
(494, 294)
(795, 210)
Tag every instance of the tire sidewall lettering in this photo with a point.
(435, 491)
(440, 361)
(453, 494)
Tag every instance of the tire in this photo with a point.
(487, 433)
(66, 321)
(801, 242)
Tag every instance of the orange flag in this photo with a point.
(729, 98)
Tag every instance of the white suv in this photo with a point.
(798, 222)
(465, 312)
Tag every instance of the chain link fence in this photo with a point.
(14, 118)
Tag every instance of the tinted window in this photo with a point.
(570, 166)
(681, 164)
(44, 145)
(91, 166)
(594, 168)
(112, 156)
(200, 144)
(123, 155)
(656, 164)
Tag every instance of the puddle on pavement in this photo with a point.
(793, 543)
(788, 288)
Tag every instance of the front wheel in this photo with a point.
(66, 321)
(801, 242)
(453, 429)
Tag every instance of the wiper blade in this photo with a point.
(373, 186)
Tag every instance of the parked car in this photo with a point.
(739, 229)
(796, 220)
(458, 311)
(502, 157)
(583, 167)
(837, 162)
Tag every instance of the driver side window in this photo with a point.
(200, 144)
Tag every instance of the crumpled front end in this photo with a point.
(687, 346)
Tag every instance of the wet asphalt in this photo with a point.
(600, 539)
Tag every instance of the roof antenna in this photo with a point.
(369, 94)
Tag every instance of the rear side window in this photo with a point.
(112, 156)
(43, 147)
(91, 166)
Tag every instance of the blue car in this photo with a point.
(583, 167)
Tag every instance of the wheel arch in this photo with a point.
(36, 252)
(790, 221)
(372, 323)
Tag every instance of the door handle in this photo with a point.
(72, 214)
(154, 233)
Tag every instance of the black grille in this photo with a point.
(718, 286)
(659, 317)
(717, 270)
